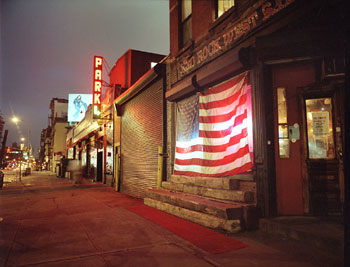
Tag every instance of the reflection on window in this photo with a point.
(282, 105)
(283, 137)
(282, 131)
(186, 9)
(320, 128)
(186, 22)
(284, 147)
(223, 6)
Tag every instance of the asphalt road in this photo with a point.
(48, 221)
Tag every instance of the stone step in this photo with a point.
(229, 183)
(222, 210)
(247, 185)
(210, 221)
(245, 196)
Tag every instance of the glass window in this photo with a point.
(186, 22)
(283, 147)
(282, 105)
(282, 131)
(186, 9)
(283, 136)
(320, 128)
(222, 6)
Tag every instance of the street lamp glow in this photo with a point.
(15, 119)
(23, 139)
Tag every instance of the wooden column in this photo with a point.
(263, 124)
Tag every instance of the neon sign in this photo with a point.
(97, 86)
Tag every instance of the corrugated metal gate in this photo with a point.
(141, 134)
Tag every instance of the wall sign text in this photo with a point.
(260, 12)
(97, 87)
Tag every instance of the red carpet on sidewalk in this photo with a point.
(200, 236)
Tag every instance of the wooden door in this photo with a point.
(286, 79)
(323, 133)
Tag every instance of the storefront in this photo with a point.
(287, 58)
(304, 66)
(139, 132)
(84, 141)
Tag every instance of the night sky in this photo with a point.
(47, 50)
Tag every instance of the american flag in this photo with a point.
(212, 131)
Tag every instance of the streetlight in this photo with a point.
(16, 120)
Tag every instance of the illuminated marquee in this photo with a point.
(97, 87)
(77, 106)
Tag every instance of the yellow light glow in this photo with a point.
(309, 115)
(15, 119)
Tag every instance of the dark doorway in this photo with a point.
(99, 166)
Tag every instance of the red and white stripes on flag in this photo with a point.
(212, 131)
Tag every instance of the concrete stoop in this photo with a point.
(312, 231)
(219, 203)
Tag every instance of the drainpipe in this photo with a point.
(160, 69)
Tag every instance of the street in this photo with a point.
(48, 221)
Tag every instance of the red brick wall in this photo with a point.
(131, 66)
(174, 27)
(141, 63)
(202, 15)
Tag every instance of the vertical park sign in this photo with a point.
(97, 87)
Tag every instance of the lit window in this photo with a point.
(283, 137)
(185, 22)
(222, 6)
(320, 128)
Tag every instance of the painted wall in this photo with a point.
(59, 140)
(60, 109)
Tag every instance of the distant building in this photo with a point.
(45, 146)
(59, 125)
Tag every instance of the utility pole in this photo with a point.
(28, 148)
(104, 150)
(20, 169)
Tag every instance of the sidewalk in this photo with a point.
(48, 221)
(40, 181)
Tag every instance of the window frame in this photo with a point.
(182, 25)
(331, 117)
(216, 3)
(282, 124)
